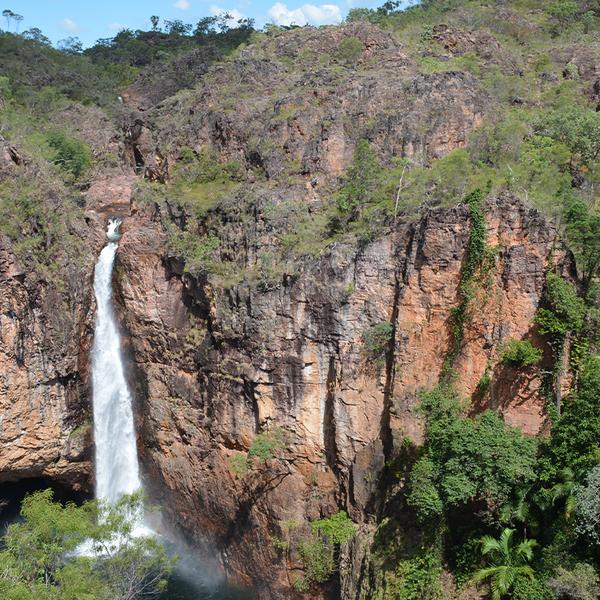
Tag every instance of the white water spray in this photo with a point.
(117, 469)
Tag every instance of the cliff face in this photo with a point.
(44, 346)
(213, 366)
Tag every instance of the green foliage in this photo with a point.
(39, 226)
(579, 583)
(350, 50)
(238, 465)
(563, 11)
(419, 578)
(337, 529)
(265, 445)
(575, 126)
(205, 167)
(575, 436)
(38, 564)
(423, 494)
(565, 310)
(587, 512)
(318, 560)
(467, 460)
(563, 491)
(360, 183)
(582, 224)
(526, 588)
(476, 260)
(71, 155)
(376, 342)
(521, 353)
(196, 250)
(507, 562)
(318, 552)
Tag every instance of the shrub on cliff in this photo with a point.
(467, 460)
(319, 552)
(575, 436)
(360, 184)
(565, 310)
(376, 341)
(521, 353)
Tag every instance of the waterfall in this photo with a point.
(117, 469)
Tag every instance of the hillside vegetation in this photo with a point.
(281, 144)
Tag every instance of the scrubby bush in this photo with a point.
(337, 529)
(376, 341)
(265, 445)
(423, 494)
(39, 558)
(521, 353)
(579, 583)
(467, 459)
(71, 155)
(565, 311)
(318, 553)
(350, 50)
(575, 437)
(360, 183)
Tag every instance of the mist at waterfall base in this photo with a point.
(116, 460)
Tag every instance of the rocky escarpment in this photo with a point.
(215, 367)
(280, 121)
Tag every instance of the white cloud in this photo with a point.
(116, 26)
(235, 14)
(69, 25)
(321, 14)
(182, 4)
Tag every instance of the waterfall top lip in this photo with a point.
(112, 229)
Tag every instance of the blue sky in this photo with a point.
(91, 20)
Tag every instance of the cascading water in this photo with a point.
(117, 469)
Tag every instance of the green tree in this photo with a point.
(521, 353)
(587, 513)
(360, 184)
(471, 460)
(8, 15)
(575, 438)
(565, 310)
(582, 225)
(564, 492)
(39, 561)
(507, 562)
(579, 583)
(71, 155)
(35, 34)
(577, 127)
(563, 12)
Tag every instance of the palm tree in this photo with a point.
(565, 490)
(519, 510)
(507, 562)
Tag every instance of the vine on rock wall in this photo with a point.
(478, 259)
